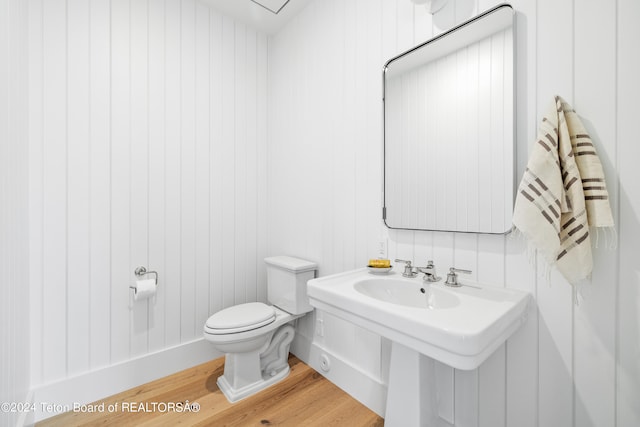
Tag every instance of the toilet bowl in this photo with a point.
(254, 336)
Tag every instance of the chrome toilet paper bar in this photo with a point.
(142, 271)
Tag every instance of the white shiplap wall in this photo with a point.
(570, 365)
(14, 227)
(627, 322)
(147, 147)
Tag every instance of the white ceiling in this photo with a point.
(257, 16)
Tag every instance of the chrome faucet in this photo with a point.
(429, 272)
(409, 271)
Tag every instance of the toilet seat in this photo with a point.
(240, 318)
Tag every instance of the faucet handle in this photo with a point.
(452, 276)
(408, 269)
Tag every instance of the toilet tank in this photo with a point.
(287, 283)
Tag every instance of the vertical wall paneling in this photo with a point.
(423, 22)
(275, 96)
(555, 76)
(187, 125)
(522, 348)
(240, 158)
(139, 154)
(157, 142)
(202, 172)
(216, 103)
(340, 199)
(78, 186)
(54, 290)
(326, 191)
(628, 304)
(360, 130)
(327, 188)
(134, 160)
(353, 77)
(171, 104)
(348, 188)
(372, 146)
(227, 161)
(173, 174)
(261, 166)
(473, 140)
(544, 375)
(100, 183)
(404, 13)
(14, 199)
(310, 173)
(251, 161)
(36, 186)
(595, 318)
(6, 315)
(461, 89)
(120, 173)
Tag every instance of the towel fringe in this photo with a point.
(612, 238)
(544, 272)
(582, 290)
(609, 234)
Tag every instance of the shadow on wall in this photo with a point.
(627, 307)
(628, 361)
(462, 10)
(551, 358)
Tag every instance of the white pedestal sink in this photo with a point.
(460, 327)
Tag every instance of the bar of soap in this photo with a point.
(379, 263)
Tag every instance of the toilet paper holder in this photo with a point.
(142, 271)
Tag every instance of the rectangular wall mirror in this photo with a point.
(449, 133)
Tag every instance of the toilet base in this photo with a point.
(233, 395)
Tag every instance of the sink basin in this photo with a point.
(407, 293)
(460, 327)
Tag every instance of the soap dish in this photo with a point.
(379, 270)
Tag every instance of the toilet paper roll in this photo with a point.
(144, 289)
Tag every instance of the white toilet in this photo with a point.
(256, 336)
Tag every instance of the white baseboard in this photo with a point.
(52, 399)
(360, 385)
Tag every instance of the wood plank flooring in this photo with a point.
(304, 398)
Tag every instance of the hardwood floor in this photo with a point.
(304, 398)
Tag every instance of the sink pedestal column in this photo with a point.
(411, 395)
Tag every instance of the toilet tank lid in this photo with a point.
(290, 263)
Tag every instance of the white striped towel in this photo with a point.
(563, 193)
